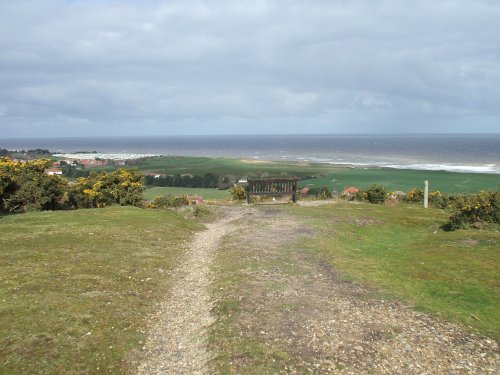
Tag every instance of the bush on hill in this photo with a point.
(321, 193)
(26, 186)
(123, 187)
(238, 192)
(414, 196)
(375, 194)
(168, 201)
(474, 211)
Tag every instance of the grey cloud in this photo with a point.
(316, 65)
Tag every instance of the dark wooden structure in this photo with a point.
(274, 187)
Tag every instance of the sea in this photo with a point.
(478, 153)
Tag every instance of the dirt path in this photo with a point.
(291, 313)
(177, 343)
(269, 306)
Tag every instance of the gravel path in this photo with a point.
(290, 302)
(177, 342)
(298, 308)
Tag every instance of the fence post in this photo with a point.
(426, 194)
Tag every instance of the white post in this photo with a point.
(426, 194)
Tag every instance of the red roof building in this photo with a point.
(351, 190)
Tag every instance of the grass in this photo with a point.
(211, 194)
(233, 335)
(404, 180)
(393, 179)
(324, 174)
(76, 286)
(227, 166)
(401, 252)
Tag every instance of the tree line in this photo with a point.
(207, 180)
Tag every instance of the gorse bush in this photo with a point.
(438, 200)
(123, 187)
(168, 201)
(24, 186)
(475, 210)
(238, 192)
(414, 196)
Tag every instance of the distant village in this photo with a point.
(73, 162)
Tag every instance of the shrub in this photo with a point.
(474, 210)
(26, 186)
(414, 196)
(438, 200)
(323, 193)
(375, 194)
(201, 211)
(238, 192)
(168, 201)
(123, 187)
(320, 193)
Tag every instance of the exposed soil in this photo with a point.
(294, 303)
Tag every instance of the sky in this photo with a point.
(144, 67)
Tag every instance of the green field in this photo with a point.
(76, 286)
(230, 167)
(405, 179)
(325, 174)
(207, 194)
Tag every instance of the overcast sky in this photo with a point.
(144, 67)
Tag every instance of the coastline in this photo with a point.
(481, 169)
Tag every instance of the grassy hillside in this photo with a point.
(75, 287)
(402, 252)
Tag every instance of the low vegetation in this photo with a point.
(475, 210)
(237, 192)
(402, 252)
(77, 286)
(169, 201)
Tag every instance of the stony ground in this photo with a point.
(291, 303)
(177, 342)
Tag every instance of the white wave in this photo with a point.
(487, 168)
(105, 156)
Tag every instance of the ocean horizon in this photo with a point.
(478, 153)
